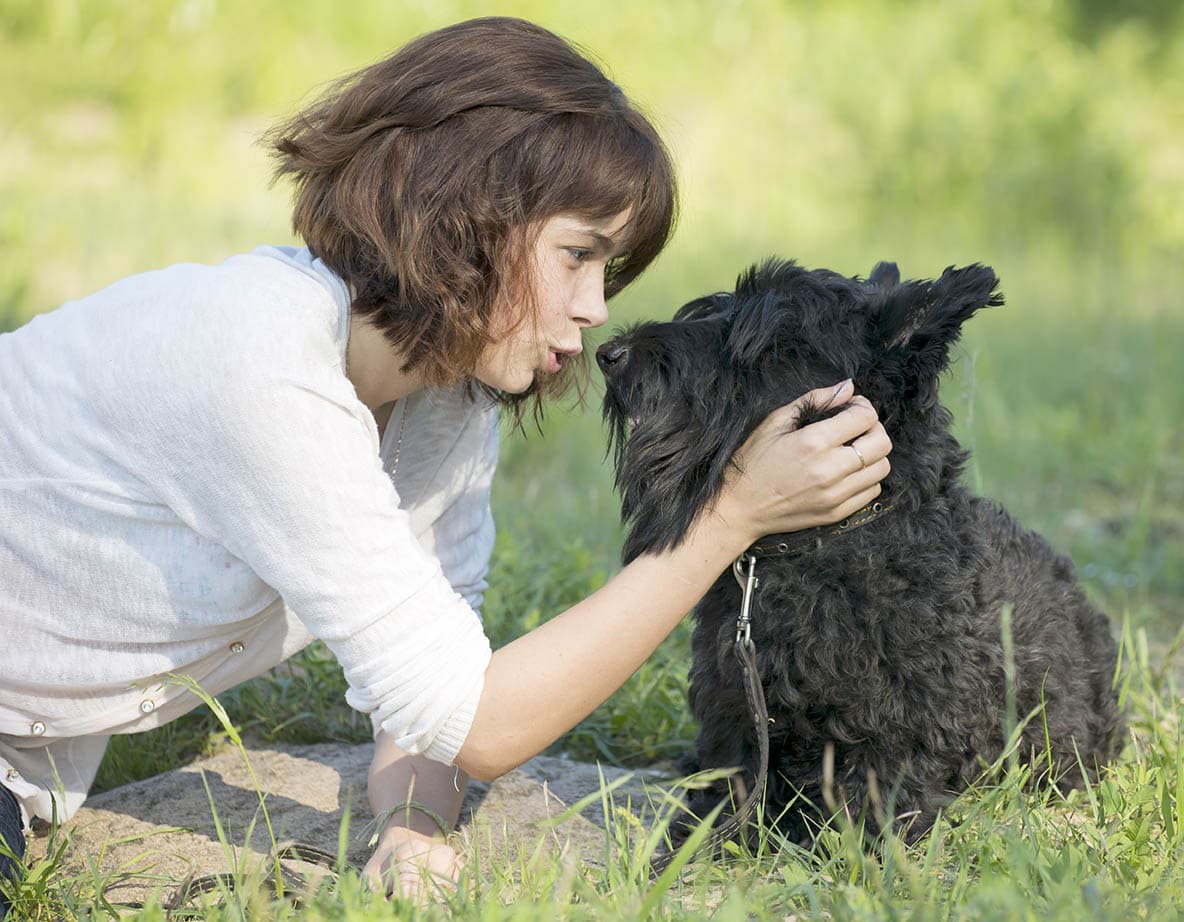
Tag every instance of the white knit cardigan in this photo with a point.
(189, 485)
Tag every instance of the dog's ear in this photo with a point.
(925, 318)
(756, 327)
(884, 275)
(762, 293)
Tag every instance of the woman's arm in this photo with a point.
(542, 684)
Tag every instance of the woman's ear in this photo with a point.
(922, 319)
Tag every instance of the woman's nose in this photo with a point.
(590, 309)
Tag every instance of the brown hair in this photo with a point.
(420, 179)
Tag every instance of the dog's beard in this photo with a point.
(669, 471)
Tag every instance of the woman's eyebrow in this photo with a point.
(604, 243)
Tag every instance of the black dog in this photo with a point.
(881, 639)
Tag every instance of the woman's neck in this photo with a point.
(375, 367)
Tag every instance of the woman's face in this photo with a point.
(570, 257)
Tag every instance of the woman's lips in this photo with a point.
(556, 358)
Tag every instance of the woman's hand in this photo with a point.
(788, 478)
(409, 864)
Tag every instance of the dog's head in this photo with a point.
(683, 395)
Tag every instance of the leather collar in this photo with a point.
(793, 543)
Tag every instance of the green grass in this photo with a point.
(1110, 852)
(1043, 139)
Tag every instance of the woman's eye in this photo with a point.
(579, 255)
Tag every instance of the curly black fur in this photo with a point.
(884, 643)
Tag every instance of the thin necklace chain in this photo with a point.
(402, 419)
(399, 442)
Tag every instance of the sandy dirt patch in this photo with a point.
(157, 832)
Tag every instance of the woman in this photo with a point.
(205, 468)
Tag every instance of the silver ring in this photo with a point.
(858, 454)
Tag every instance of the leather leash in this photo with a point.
(744, 569)
(745, 652)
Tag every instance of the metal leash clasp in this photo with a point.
(748, 583)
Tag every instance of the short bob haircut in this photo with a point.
(423, 180)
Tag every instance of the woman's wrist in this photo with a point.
(413, 792)
(407, 822)
(397, 832)
(713, 541)
(725, 527)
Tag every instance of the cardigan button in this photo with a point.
(37, 728)
(147, 706)
(237, 647)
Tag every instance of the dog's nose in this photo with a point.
(611, 356)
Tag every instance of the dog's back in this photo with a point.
(1064, 653)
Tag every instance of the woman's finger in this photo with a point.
(377, 872)
(857, 502)
(865, 478)
(822, 397)
(834, 498)
(874, 445)
(425, 872)
(856, 457)
(855, 419)
(860, 457)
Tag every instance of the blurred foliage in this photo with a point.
(1160, 20)
(977, 129)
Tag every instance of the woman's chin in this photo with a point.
(509, 382)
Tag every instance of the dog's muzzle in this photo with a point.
(612, 357)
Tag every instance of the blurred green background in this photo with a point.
(1045, 138)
